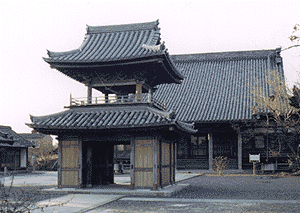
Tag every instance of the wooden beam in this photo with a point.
(114, 83)
(88, 65)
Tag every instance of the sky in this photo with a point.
(28, 86)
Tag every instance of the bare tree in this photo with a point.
(19, 201)
(46, 157)
(295, 37)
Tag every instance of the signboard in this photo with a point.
(253, 158)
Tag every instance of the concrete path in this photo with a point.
(85, 200)
(50, 178)
(88, 199)
(76, 203)
(36, 179)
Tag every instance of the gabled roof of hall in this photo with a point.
(9, 138)
(217, 87)
(108, 117)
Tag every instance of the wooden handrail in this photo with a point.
(85, 101)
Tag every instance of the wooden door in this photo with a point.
(70, 171)
(143, 164)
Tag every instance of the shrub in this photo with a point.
(220, 164)
(294, 163)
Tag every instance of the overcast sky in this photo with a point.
(29, 28)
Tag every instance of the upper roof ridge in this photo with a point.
(226, 55)
(123, 27)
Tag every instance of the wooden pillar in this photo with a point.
(106, 97)
(240, 152)
(150, 95)
(210, 150)
(138, 92)
(15, 160)
(71, 99)
(80, 163)
(155, 164)
(89, 164)
(175, 155)
(173, 163)
(59, 162)
(111, 163)
(159, 163)
(132, 164)
(27, 159)
(89, 94)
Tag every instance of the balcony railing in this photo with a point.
(124, 99)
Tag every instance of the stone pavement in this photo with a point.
(83, 200)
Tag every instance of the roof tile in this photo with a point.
(217, 85)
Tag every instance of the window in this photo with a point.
(120, 147)
(259, 142)
(199, 146)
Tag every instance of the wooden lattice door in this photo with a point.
(143, 164)
(70, 171)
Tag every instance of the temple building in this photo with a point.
(128, 61)
(170, 111)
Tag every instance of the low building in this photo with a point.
(13, 149)
(42, 143)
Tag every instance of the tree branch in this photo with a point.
(296, 45)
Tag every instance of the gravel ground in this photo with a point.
(242, 187)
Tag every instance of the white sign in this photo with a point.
(254, 158)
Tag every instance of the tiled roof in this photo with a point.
(105, 47)
(10, 138)
(104, 117)
(113, 43)
(33, 135)
(223, 56)
(217, 85)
